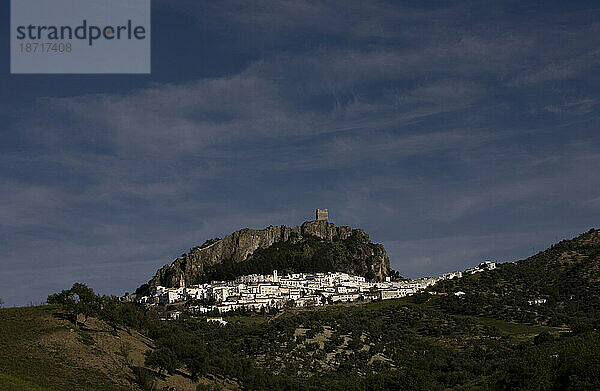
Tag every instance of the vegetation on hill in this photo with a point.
(395, 344)
(355, 255)
(566, 276)
(489, 338)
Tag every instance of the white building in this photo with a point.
(259, 292)
(536, 301)
(217, 320)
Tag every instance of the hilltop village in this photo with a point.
(259, 292)
(264, 292)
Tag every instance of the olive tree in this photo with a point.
(80, 299)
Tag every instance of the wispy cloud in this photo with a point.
(422, 125)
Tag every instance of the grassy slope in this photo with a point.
(41, 352)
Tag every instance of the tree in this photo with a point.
(1, 302)
(162, 358)
(542, 338)
(80, 299)
(196, 360)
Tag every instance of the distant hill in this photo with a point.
(315, 246)
(559, 286)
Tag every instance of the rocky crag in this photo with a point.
(361, 255)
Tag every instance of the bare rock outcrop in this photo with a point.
(240, 245)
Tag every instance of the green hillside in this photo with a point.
(396, 344)
(491, 338)
(566, 276)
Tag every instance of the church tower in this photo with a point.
(181, 281)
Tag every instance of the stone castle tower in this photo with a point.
(322, 214)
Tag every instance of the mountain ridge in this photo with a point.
(241, 245)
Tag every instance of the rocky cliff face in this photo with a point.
(240, 245)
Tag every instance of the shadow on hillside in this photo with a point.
(82, 325)
(65, 316)
(145, 377)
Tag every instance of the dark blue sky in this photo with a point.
(452, 133)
